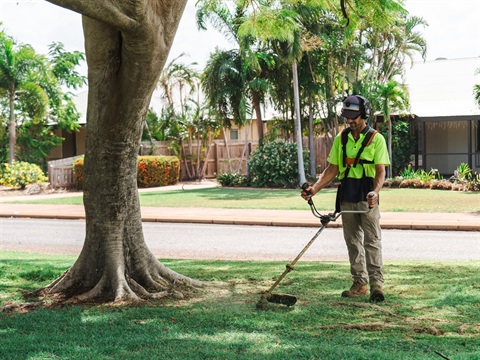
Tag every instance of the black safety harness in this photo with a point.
(352, 162)
(348, 163)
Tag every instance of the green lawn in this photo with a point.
(391, 200)
(431, 308)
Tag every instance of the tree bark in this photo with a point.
(127, 44)
(311, 138)
(12, 135)
(298, 126)
(258, 115)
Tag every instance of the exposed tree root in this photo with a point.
(153, 283)
(126, 293)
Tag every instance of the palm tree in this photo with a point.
(393, 96)
(391, 47)
(283, 30)
(227, 17)
(177, 76)
(18, 64)
(476, 90)
(224, 84)
(204, 129)
(476, 94)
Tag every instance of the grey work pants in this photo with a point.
(363, 237)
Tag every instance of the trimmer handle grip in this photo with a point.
(304, 188)
(305, 185)
(370, 195)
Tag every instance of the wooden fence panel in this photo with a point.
(60, 172)
(218, 163)
(322, 149)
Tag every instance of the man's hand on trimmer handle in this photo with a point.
(307, 191)
(372, 199)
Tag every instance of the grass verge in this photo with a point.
(391, 200)
(431, 308)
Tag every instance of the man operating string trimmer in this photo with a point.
(358, 156)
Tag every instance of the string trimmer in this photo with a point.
(290, 300)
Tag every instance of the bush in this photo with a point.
(151, 171)
(403, 144)
(78, 172)
(20, 174)
(464, 179)
(275, 164)
(157, 171)
(441, 185)
(232, 179)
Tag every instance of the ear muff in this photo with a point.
(365, 106)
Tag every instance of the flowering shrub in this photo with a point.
(78, 172)
(275, 164)
(157, 171)
(151, 171)
(20, 174)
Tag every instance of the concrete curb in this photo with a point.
(400, 221)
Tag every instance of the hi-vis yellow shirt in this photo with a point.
(376, 151)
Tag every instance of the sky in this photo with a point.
(454, 27)
(453, 31)
(39, 23)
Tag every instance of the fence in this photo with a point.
(222, 159)
(196, 162)
(60, 173)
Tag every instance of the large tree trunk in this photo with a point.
(124, 63)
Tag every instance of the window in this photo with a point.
(477, 145)
(234, 134)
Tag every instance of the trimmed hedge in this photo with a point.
(152, 171)
(78, 172)
(157, 171)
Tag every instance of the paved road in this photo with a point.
(235, 242)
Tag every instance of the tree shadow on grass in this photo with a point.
(225, 323)
(28, 274)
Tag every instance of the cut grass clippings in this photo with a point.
(431, 308)
(391, 200)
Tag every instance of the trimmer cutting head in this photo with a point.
(281, 299)
(290, 300)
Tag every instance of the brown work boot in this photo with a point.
(376, 293)
(357, 289)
